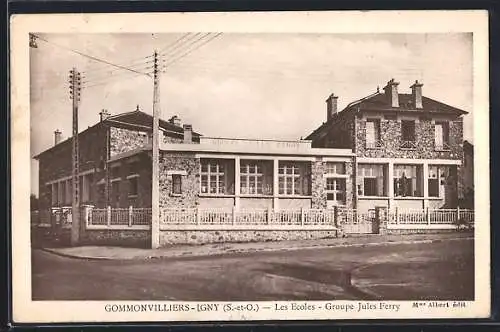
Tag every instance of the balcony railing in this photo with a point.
(410, 145)
(377, 144)
(443, 146)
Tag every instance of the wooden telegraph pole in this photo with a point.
(75, 89)
(155, 184)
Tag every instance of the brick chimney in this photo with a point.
(104, 114)
(188, 133)
(416, 93)
(391, 93)
(331, 106)
(57, 136)
(175, 120)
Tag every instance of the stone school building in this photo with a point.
(398, 152)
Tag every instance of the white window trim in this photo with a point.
(131, 176)
(181, 172)
(209, 174)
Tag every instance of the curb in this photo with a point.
(252, 250)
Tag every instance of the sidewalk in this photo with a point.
(122, 253)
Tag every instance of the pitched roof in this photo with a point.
(133, 120)
(379, 102)
(140, 119)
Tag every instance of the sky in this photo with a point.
(239, 85)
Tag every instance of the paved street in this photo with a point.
(441, 271)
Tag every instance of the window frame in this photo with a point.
(418, 170)
(179, 185)
(445, 136)
(377, 142)
(220, 177)
(406, 143)
(382, 168)
(298, 173)
(335, 192)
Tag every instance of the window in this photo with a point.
(373, 134)
(371, 180)
(217, 176)
(407, 181)
(133, 167)
(438, 176)
(293, 178)
(54, 194)
(176, 184)
(115, 172)
(408, 134)
(61, 193)
(335, 190)
(133, 186)
(256, 177)
(86, 181)
(441, 136)
(115, 193)
(335, 168)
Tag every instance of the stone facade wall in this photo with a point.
(189, 166)
(318, 185)
(124, 198)
(122, 140)
(56, 164)
(202, 237)
(125, 238)
(390, 133)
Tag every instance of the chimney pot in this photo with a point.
(104, 114)
(188, 133)
(57, 136)
(331, 106)
(175, 120)
(391, 92)
(416, 93)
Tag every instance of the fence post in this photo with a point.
(302, 215)
(109, 215)
(269, 215)
(130, 211)
(234, 215)
(336, 216)
(397, 216)
(197, 215)
(427, 216)
(458, 213)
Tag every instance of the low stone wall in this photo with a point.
(418, 231)
(204, 236)
(122, 238)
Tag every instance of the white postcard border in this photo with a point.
(26, 310)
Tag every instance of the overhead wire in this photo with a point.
(171, 62)
(87, 55)
(175, 42)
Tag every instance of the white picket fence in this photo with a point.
(247, 218)
(118, 218)
(430, 218)
(348, 220)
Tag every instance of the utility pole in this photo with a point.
(75, 89)
(155, 184)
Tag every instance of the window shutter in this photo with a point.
(370, 132)
(438, 135)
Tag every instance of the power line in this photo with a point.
(167, 64)
(175, 42)
(188, 43)
(89, 56)
(109, 82)
(114, 73)
(130, 63)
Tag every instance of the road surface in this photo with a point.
(430, 271)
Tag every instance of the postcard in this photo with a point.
(250, 166)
